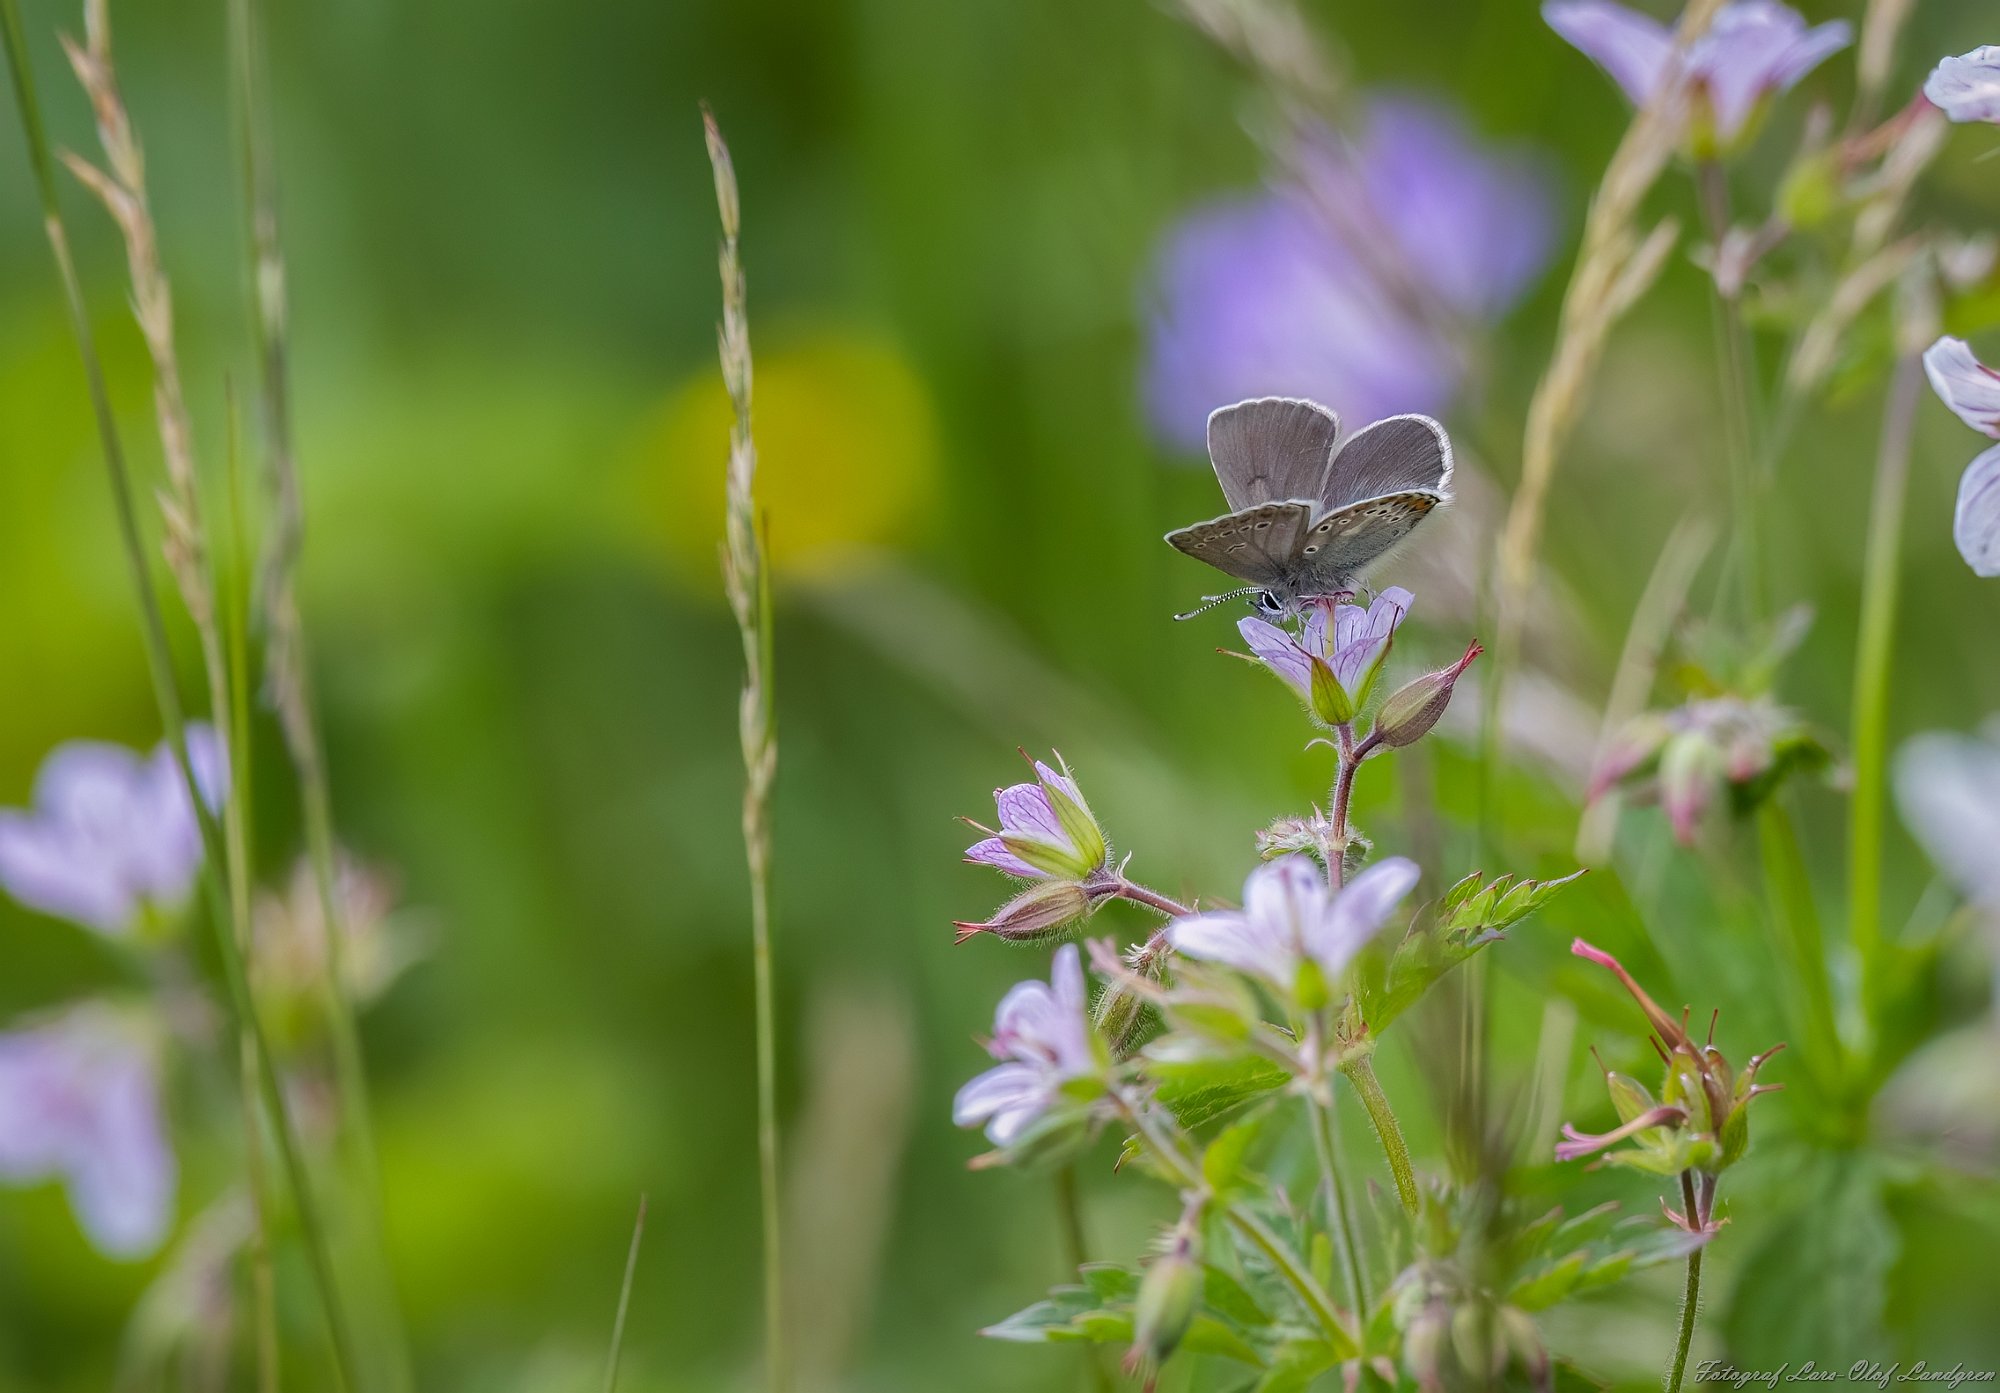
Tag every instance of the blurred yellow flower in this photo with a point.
(846, 450)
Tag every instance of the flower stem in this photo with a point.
(1691, 1297)
(1289, 1265)
(1076, 1252)
(159, 665)
(1339, 1213)
(1360, 1071)
(1153, 899)
(1873, 653)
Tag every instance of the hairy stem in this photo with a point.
(1690, 1297)
(1289, 1265)
(1360, 1071)
(1153, 899)
(1339, 1212)
(1880, 582)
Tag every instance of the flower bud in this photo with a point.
(1169, 1298)
(1036, 915)
(1121, 1014)
(1408, 715)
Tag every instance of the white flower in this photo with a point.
(1042, 1035)
(1291, 914)
(1967, 88)
(1949, 789)
(1972, 391)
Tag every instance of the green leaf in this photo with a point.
(1296, 1364)
(1222, 1162)
(1819, 1279)
(1197, 1091)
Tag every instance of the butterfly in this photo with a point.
(1307, 515)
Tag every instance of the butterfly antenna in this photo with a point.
(1209, 602)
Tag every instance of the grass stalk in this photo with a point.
(1733, 366)
(159, 663)
(747, 580)
(624, 1300)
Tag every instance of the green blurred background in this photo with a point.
(502, 238)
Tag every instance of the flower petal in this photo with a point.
(1632, 48)
(1967, 88)
(1025, 811)
(1949, 789)
(1975, 523)
(1002, 1087)
(1966, 385)
(993, 852)
(1359, 911)
(1230, 939)
(1280, 652)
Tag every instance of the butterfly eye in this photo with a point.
(1268, 603)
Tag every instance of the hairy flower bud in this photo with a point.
(1408, 715)
(1169, 1297)
(1121, 1014)
(1037, 914)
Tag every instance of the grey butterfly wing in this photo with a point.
(1271, 449)
(1399, 454)
(1259, 545)
(1341, 544)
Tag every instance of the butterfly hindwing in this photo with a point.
(1260, 545)
(1341, 544)
(1395, 455)
(1271, 449)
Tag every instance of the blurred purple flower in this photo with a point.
(1342, 643)
(1967, 88)
(1042, 1036)
(1269, 295)
(80, 1101)
(1949, 789)
(1972, 391)
(1046, 830)
(1752, 49)
(110, 831)
(1291, 915)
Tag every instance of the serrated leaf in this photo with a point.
(1198, 1091)
(1551, 1284)
(1210, 1336)
(1229, 1300)
(1296, 1364)
(1109, 1282)
(1049, 1320)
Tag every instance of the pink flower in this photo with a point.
(1752, 49)
(110, 832)
(1042, 1036)
(1333, 662)
(1290, 916)
(80, 1102)
(1046, 830)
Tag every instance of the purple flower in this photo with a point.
(1967, 88)
(1291, 916)
(80, 1101)
(1972, 391)
(1949, 789)
(1333, 662)
(1752, 49)
(1270, 295)
(1046, 830)
(1042, 1037)
(110, 832)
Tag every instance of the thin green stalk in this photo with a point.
(1339, 1212)
(748, 582)
(1738, 392)
(236, 620)
(1288, 1264)
(624, 1300)
(1076, 1252)
(1690, 1297)
(1881, 576)
(1800, 943)
(160, 670)
(1360, 1071)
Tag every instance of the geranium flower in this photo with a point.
(1972, 390)
(1291, 916)
(1333, 662)
(1752, 49)
(110, 833)
(80, 1102)
(1267, 295)
(1949, 789)
(1041, 1035)
(1046, 830)
(1967, 88)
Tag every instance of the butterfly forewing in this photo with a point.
(1340, 545)
(1396, 455)
(1260, 545)
(1271, 449)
